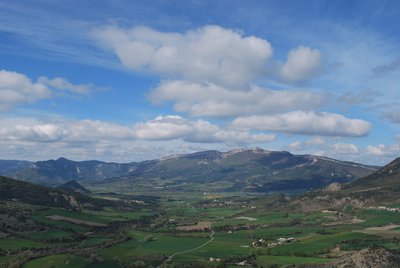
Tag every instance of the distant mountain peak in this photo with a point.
(63, 159)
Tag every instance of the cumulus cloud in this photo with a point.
(208, 54)
(345, 148)
(34, 130)
(174, 127)
(212, 100)
(296, 146)
(315, 141)
(16, 88)
(311, 123)
(384, 150)
(161, 128)
(301, 64)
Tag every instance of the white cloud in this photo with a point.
(311, 123)
(16, 88)
(208, 54)
(302, 63)
(33, 139)
(174, 127)
(162, 128)
(212, 100)
(345, 148)
(315, 141)
(384, 150)
(296, 146)
(34, 130)
(310, 143)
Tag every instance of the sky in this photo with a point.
(124, 81)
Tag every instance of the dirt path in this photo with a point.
(193, 249)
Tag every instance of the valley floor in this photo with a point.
(189, 230)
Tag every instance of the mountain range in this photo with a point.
(254, 170)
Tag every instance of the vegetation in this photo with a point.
(181, 229)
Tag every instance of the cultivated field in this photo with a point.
(229, 231)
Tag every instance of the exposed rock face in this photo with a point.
(371, 258)
(333, 187)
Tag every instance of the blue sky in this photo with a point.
(132, 80)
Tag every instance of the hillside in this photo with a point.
(26, 192)
(73, 186)
(387, 177)
(382, 187)
(254, 170)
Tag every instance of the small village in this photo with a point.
(279, 241)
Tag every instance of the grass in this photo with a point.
(76, 215)
(40, 219)
(316, 245)
(120, 216)
(92, 241)
(61, 260)
(16, 243)
(221, 212)
(170, 245)
(153, 243)
(49, 234)
(374, 217)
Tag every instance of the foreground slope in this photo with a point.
(386, 177)
(26, 192)
(379, 188)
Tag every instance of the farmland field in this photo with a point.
(221, 231)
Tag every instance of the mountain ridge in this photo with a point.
(243, 169)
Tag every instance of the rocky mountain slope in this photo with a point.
(255, 170)
(370, 258)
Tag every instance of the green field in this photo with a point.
(149, 236)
